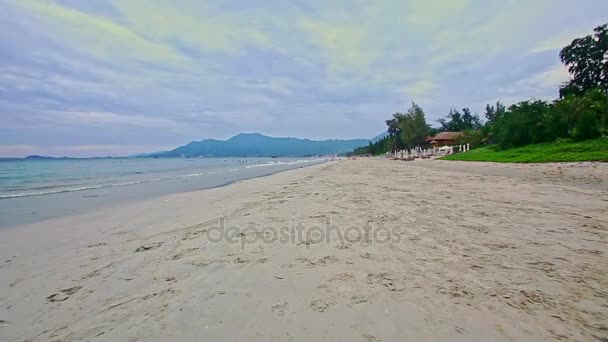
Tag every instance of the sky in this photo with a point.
(117, 77)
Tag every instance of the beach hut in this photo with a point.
(444, 138)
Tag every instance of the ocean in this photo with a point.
(34, 190)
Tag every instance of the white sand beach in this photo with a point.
(477, 252)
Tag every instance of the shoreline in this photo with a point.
(17, 210)
(498, 253)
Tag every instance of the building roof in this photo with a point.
(447, 135)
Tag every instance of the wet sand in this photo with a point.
(425, 250)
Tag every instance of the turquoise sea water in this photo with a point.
(32, 190)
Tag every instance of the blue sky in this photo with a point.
(116, 77)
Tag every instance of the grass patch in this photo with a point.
(563, 151)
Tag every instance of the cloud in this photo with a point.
(94, 73)
(342, 44)
(426, 15)
(551, 78)
(108, 119)
(96, 35)
(193, 24)
(542, 84)
(420, 88)
(559, 41)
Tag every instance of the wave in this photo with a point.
(57, 189)
(276, 163)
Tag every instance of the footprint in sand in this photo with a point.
(385, 279)
(145, 248)
(91, 274)
(63, 294)
(183, 254)
(343, 276)
(320, 305)
(318, 262)
(240, 260)
(279, 308)
(358, 299)
(366, 255)
(370, 338)
(194, 234)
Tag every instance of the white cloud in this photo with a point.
(108, 119)
(420, 88)
(559, 41)
(195, 70)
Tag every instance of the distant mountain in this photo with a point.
(379, 137)
(258, 145)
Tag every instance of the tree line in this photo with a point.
(580, 112)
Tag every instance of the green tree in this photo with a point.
(587, 61)
(493, 113)
(414, 128)
(579, 117)
(522, 124)
(471, 122)
(394, 131)
(379, 147)
(459, 122)
(409, 129)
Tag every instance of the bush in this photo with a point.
(586, 127)
(521, 124)
(530, 122)
(563, 151)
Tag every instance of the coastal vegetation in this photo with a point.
(569, 128)
(558, 151)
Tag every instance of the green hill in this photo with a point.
(258, 145)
